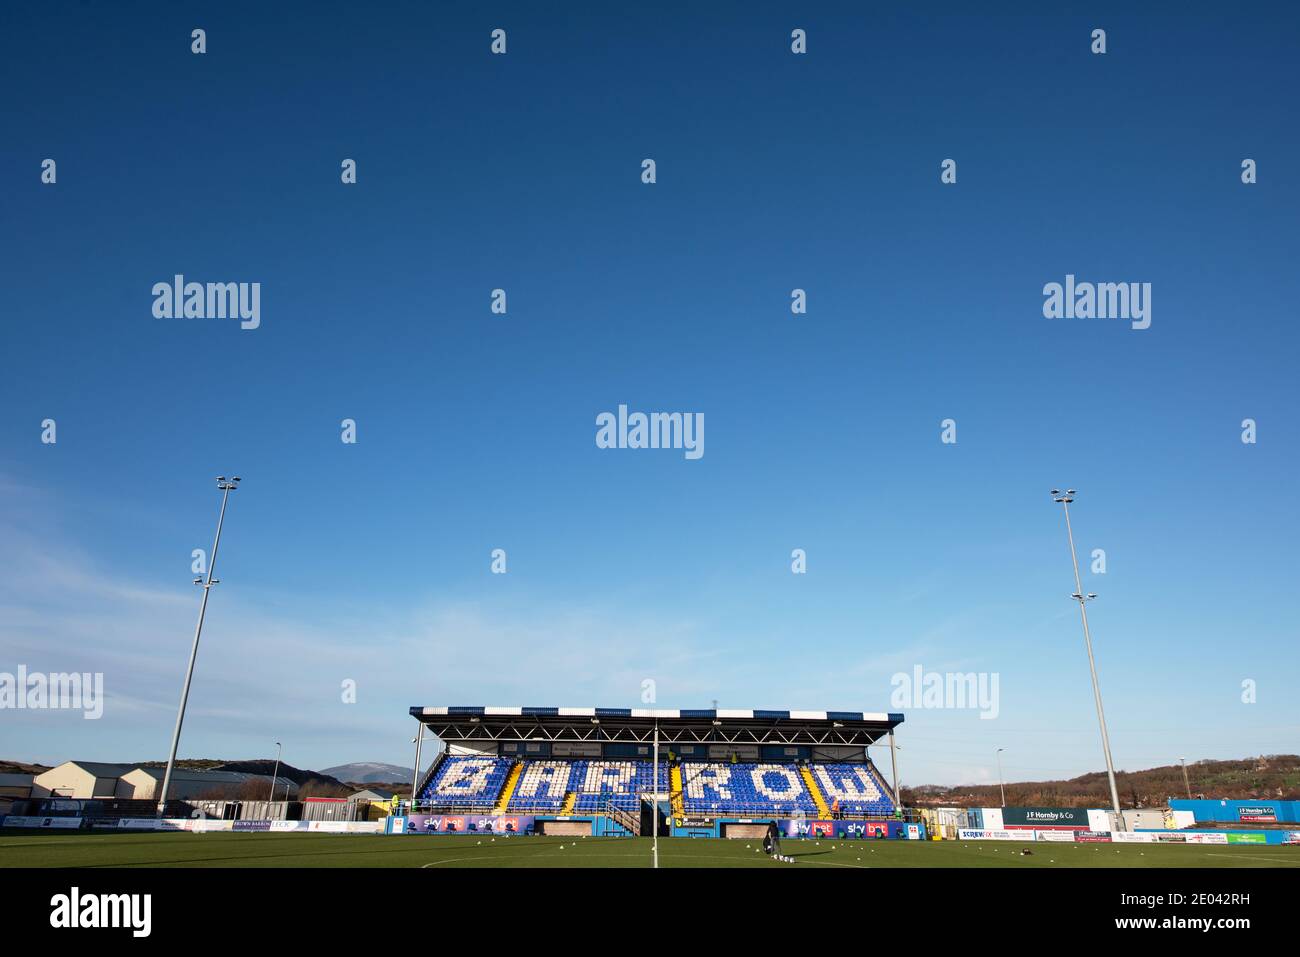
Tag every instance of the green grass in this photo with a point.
(334, 850)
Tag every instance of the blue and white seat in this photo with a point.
(618, 784)
(543, 785)
(854, 789)
(465, 782)
(714, 790)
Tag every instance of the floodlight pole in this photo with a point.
(415, 777)
(1186, 783)
(1065, 500)
(278, 748)
(654, 846)
(1001, 784)
(893, 764)
(226, 488)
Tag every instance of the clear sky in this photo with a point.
(371, 562)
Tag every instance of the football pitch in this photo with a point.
(225, 849)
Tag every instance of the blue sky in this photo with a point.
(371, 561)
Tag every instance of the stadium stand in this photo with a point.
(543, 786)
(467, 783)
(718, 789)
(706, 789)
(853, 788)
(617, 784)
(714, 764)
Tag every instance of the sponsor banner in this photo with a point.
(1170, 837)
(1207, 838)
(345, 827)
(1247, 839)
(463, 823)
(14, 820)
(1098, 820)
(847, 830)
(139, 823)
(1291, 837)
(806, 828)
(1133, 837)
(251, 826)
(289, 825)
(576, 749)
(1045, 817)
(332, 827)
(199, 825)
(990, 818)
(1257, 812)
(970, 834)
(1092, 837)
(1061, 837)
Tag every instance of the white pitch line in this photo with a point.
(450, 860)
(1292, 861)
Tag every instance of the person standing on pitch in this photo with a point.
(772, 841)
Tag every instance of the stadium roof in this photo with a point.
(704, 725)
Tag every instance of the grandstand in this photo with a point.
(593, 770)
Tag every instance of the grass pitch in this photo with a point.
(227, 849)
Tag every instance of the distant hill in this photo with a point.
(1273, 777)
(371, 772)
(17, 767)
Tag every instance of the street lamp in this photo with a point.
(1065, 498)
(275, 773)
(1001, 786)
(225, 486)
